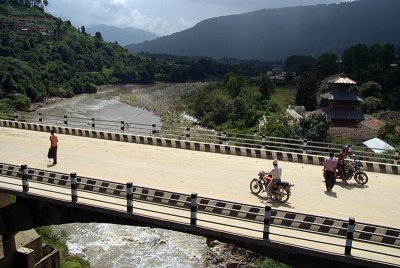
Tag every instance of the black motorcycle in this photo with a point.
(352, 169)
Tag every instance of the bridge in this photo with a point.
(225, 208)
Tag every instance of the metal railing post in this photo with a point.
(187, 132)
(122, 126)
(40, 118)
(129, 197)
(304, 146)
(74, 193)
(263, 142)
(93, 123)
(24, 177)
(224, 137)
(267, 220)
(193, 209)
(65, 120)
(396, 157)
(350, 234)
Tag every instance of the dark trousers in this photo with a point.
(54, 154)
(329, 179)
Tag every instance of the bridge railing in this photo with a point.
(262, 223)
(210, 136)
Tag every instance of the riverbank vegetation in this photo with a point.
(58, 242)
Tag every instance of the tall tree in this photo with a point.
(326, 65)
(307, 91)
(265, 85)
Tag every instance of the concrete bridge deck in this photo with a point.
(212, 175)
(225, 177)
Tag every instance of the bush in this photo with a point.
(269, 263)
(21, 102)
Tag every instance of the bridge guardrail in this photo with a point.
(196, 146)
(210, 136)
(254, 215)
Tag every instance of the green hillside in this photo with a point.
(42, 56)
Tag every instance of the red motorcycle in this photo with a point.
(281, 191)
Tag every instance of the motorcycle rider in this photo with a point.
(341, 163)
(276, 173)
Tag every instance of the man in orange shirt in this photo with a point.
(53, 145)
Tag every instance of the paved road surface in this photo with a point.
(210, 175)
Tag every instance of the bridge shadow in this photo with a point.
(349, 186)
(272, 202)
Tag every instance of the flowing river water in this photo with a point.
(108, 245)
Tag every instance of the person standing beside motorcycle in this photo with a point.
(341, 164)
(330, 165)
(276, 173)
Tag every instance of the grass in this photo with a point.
(59, 242)
(284, 95)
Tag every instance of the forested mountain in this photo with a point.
(42, 56)
(275, 34)
(124, 36)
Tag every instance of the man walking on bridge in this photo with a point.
(330, 165)
(53, 145)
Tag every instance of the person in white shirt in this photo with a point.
(276, 173)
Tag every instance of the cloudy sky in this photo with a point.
(161, 17)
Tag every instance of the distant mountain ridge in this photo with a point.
(274, 34)
(123, 36)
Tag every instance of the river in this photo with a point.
(108, 245)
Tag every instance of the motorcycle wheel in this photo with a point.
(361, 177)
(281, 194)
(255, 186)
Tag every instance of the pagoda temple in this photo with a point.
(342, 104)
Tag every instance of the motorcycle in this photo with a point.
(281, 191)
(352, 169)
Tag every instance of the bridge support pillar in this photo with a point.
(350, 234)
(129, 197)
(267, 220)
(193, 209)
(263, 142)
(25, 184)
(74, 193)
(9, 249)
(187, 132)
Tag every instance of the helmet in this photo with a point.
(275, 162)
(346, 147)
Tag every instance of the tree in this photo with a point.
(371, 105)
(307, 91)
(98, 36)
(279, 126)
(370, 89)
(233, 86)
(389, 134)
(326, 65)
(314, 127)
(265, 85)
(299, 64)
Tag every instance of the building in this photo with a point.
(342, 104)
